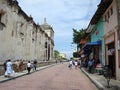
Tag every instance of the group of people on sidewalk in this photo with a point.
(8, 67)
(31, 65)
(92, 65)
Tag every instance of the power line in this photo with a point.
(89, 8)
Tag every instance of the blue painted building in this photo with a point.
(96, 35)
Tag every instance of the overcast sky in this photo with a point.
(62, 15)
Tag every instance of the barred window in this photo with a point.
(111, 10)
(105, 17)
(2, 13)
(108, 14)
(0, 17)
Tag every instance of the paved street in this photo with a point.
(58, 77)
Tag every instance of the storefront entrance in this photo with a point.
(111, 58)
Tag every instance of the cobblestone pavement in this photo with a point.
(58, 77)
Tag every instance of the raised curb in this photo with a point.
(97, 84)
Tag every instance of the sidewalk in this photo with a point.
(20, 74)
(101, 82)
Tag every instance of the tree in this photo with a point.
(76, 54)
(77, 36)
(56, 54)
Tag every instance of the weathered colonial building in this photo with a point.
(105, 26)
(111, 38)
(21, 37)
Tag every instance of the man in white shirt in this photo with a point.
(70, 64)
(29, 66)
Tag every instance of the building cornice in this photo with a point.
(102, 7)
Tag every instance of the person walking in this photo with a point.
(90, 65)
(70, 64)
(8, 68)
(76, 64)
(35, 64)
(29, 67)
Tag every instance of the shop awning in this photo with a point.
(94, 43)
(88, 44)
(87, 51)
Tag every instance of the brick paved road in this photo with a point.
(58, 77)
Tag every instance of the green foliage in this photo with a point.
(76, 54)
(56, 53)
(77, 35)
(57, 56)
(71, 58)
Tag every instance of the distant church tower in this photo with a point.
(50, 43)
(48, 29)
